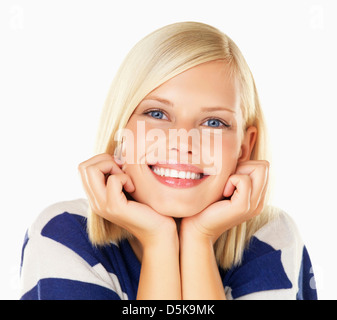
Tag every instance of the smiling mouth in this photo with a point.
(172, 177)
(173, 173)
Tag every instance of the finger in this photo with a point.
(243, 168)
(260, 206)
(119, 160)
(94, 160)
(242, 195)
(261, 203)
(258, 171)
(97, 172)
(114, 189)
(229, 188)
(94, 179)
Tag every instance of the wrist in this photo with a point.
(167, 240)
(160, 271)
(189, 231)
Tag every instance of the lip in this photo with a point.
(177, 182)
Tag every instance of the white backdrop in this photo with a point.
(58, 58)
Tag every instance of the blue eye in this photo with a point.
(215, 123)
(157, 114)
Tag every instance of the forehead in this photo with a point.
(208, 84)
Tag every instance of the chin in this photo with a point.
(166, 206)
(176, 210)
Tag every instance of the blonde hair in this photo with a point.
(155, 59)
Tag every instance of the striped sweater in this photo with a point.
(59, 262)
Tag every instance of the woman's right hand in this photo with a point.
(103, 181)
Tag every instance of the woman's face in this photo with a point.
(203, 102)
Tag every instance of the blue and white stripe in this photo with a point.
(59, 262)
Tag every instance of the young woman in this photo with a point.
(170, 218)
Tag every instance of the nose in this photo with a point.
(183, 145)
(180, 155)
(183, 148)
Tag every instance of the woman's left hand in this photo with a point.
(247, 190)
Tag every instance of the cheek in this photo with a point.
(229, 152)
(145, 143)
(223, 157)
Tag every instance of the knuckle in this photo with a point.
(81, 167)
(112, 179)
(90, 170)
(265, 164)
(263, 167)
(107, 156)
(246, 180)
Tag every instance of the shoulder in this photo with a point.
(274, 265)
(280, 244)
(65, 211)
(281, 231)
(60, 227)
(59, 261)
(283, 236)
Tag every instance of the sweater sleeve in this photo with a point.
(275, 266)
(59, 262)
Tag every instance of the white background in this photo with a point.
(58, 58)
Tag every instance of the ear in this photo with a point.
(248, 143)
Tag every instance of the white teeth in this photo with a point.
(182, 174)
(175, 174)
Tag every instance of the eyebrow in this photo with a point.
(203, 109)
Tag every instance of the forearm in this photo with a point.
(200, 276)
(160, 273)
